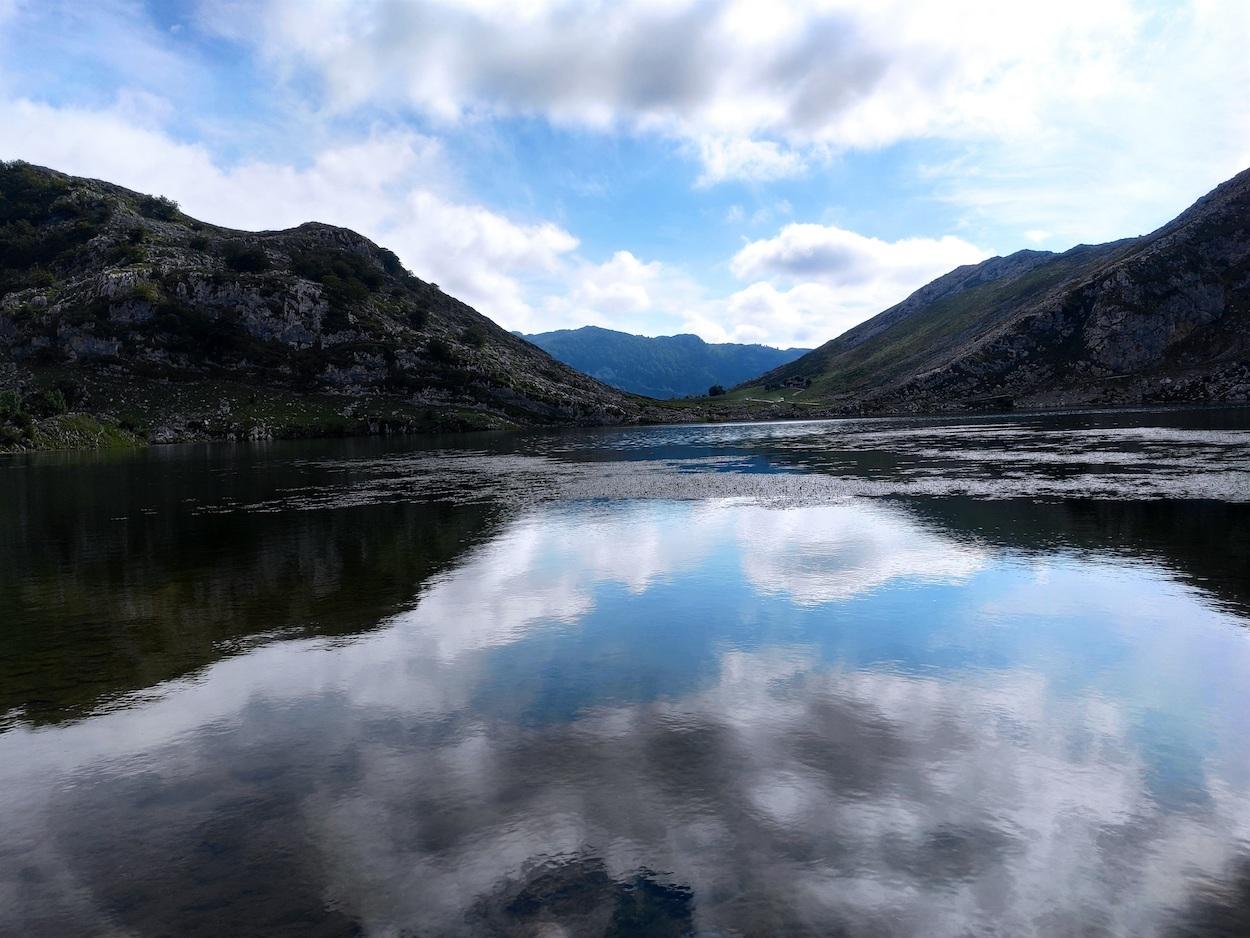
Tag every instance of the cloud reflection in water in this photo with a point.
(740, 719)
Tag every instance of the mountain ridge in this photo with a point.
(659, 366)
(1161, 318)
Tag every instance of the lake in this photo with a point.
(865, 677)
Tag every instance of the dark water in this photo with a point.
(855, 678)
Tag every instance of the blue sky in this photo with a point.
(751, 171)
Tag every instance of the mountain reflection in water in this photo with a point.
(243, 713)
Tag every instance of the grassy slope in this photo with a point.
(936, 332)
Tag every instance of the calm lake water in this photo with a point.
(916, 678)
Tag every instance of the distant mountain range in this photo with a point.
(122, 319)
(1159, 319)
(664, 366)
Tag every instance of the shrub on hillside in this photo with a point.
(440, 350)
(145, 292)
(47, 403)
(10, 405)
(40, 277)
(347, 279)
(391, 263)
(245, 258)
(125, 255)
(158, 207)
(15, 422)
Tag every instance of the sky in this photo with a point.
(771, 171)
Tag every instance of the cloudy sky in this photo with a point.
(753, 171)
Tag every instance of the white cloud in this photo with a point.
(836, 256)
(1124, 138)
(623, 292)
(754, 88)
(391, 186)
(482, 257)
(813, 282)
(618, 286)
(829, 73)
(741, 158)
(1090, 122)
(805, 315)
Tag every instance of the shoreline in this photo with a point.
(82, 431)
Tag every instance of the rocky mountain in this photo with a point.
(123, 319)
(1163, 318)
(664, 366)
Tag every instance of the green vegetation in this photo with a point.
(158, 207)
(40, 277)
(146, 292)
(391, 263)
(127, 255)
(943, 327)
(245, 258)
(347, 278)
(40, 419)
(127, 411)
(440, 350)
(49, 402)
(42, 225)
(80, 431)
(15, 423)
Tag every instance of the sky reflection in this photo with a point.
(733, 718)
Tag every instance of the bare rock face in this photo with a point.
(1160, 319)
(106, 290)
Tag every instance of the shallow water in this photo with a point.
(877, 677)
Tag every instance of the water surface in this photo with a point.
(982, 677)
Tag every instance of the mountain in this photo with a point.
(665, 366)
(1163, 318)
(123, 319)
